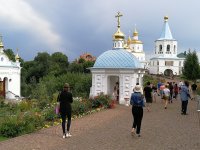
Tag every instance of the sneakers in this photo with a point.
(133, 131)
(64, 136)
(68, 135)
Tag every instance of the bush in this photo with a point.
(11, 127)
(49, 112)
(81, 106)
(20, 123)
(101, 101)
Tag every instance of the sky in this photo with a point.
(74, 27)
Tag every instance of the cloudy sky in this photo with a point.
(78, 26)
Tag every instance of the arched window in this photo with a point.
(118, 44)
(174, 48)
(160, 48)
(168, 48)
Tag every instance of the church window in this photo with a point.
(1, 58)
(179, 63)
(118, 44)
(169, 63)
(174, 48)
(168, 48)
(158, 63)
(160, 48)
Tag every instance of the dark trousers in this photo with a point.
(137, 118)
(63, 117)
(184, 106)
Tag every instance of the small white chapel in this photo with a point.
(165, 60)
(116, 66)
(10, 75)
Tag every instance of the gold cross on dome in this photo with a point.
(118, 18)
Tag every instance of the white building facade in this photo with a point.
(165, 60)
(116, 66)
(10, 75)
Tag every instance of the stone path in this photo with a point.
(110, 130)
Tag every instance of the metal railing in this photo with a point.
(15, 95)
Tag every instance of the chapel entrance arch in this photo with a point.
(168, 72)
(113, 86)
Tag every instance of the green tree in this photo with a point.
(10, 54)
(59, 64)
(191, 69)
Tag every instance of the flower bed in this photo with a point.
(27, 116)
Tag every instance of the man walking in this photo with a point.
(184, 94)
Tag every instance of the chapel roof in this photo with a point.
(117, 59)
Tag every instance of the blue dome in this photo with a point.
(117, 59)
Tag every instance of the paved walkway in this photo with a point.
(110, 130)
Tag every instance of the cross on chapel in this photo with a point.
(118, 18)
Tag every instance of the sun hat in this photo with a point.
(137, 88)
(66, 85)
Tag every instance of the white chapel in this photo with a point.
(165, 60)
(116, 66)
(10, 75)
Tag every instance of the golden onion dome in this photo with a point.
(118, 35)
(136, 42)
(1, 44)
(135, 33)
(17, 57)
(166, 18)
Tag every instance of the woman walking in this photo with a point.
(65, 99)
(137, 110)
(166, 95)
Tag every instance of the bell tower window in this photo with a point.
(160, 48)
(168, 48)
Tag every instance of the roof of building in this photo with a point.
(182, 55)
(166, 32)
(117, 59)
(166, 58)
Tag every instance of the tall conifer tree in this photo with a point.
(191, 69)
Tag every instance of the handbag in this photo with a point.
(57, 108)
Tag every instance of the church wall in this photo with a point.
(104, 81)
(12, 82)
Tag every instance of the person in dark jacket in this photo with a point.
(137, 109)
(65, 99)
(184, 94)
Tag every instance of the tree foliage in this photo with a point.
(46, 75)
(191, 69)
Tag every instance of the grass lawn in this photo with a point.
(3, 138)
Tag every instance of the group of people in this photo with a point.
(140, 98)
(143, 97)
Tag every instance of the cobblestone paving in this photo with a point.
(162, 129)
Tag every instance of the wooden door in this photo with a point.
(2, 88)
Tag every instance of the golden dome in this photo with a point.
(135, 33)
(136, 42)
(166, 18)
(1, 44)
(118, 35)
(17, 57)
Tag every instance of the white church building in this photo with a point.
(116, 66)
(10, 75)
(165, 60)
(135, 46)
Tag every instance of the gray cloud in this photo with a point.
(78, 26)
